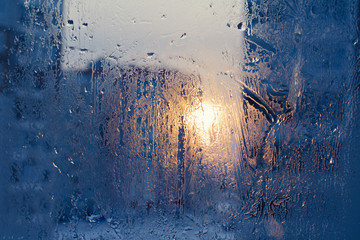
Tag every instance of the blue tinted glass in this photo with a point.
(233, 119)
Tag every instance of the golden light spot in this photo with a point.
(204, 119)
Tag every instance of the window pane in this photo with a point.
(233, 119)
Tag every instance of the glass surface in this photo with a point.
(223, 119)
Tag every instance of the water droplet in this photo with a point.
(183, 36)
(56, 167)
(241, 26)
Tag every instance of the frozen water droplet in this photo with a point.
(241, 26)
(183, 36)
(93, 218)
(188, 228)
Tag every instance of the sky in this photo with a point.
(196, 35)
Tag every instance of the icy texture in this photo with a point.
(190, 120)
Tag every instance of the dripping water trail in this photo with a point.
(181, 166)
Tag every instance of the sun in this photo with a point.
(204, 119)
